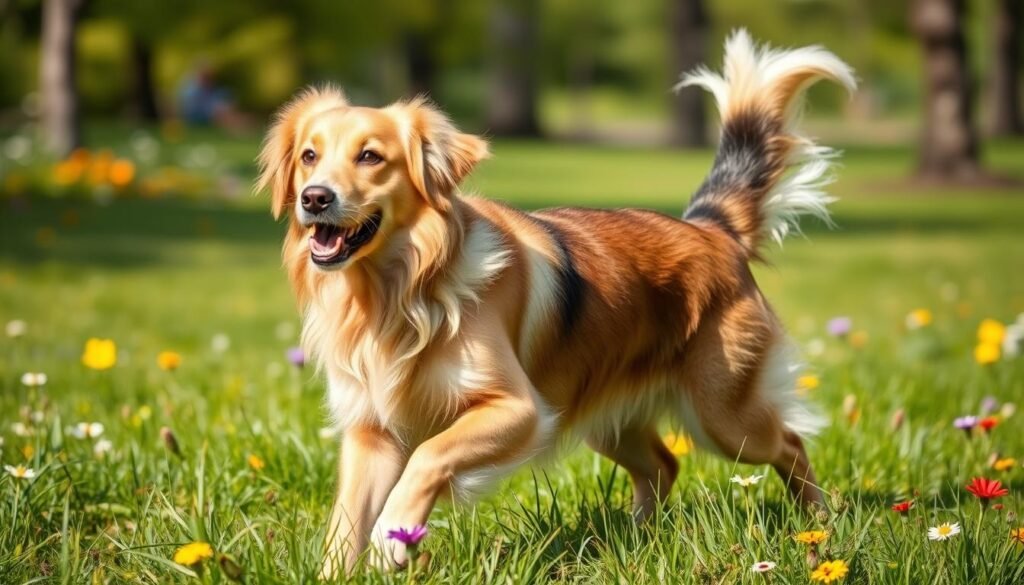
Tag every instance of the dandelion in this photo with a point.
(296, 357)
(986, 353)
(20, 471)
(991, 332)
(1017, 535)
(830, 571)
(168, 360)
(903, 507)
(806, 383)
(15, 328)
(102, 447)
(987, 489)
(1004, 463)
(678, 444)
(763, 566)
(839, 326)
(193, 553)
(99, 354)
(255, 462)
(919, 318)
(746, 481)
(988, 423)
(87, 430)
(944, 531)
(811, 537)
(33, 379)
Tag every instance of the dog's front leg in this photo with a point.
(371, 463)
(494, 432)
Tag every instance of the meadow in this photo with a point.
(212, 432)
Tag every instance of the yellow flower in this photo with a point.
(168, 360)
(830, 571)
(991, 331)
(919, 318)
(1004, 463)
(255, 462)
(811, 537)
(679, 445)
(858, 339)
(121, 173)
(100, 354)
(986, 353)
(193, 553)
(806, 383)
(1017, 535)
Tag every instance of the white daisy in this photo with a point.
(944, 531)
(102, 447)
(762, 566)
(16, 328)
(20, 472)
(21, 429)
(746, 481)
(32, 379)
(85, 430)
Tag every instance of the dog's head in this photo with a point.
(355, 179)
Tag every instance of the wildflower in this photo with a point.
(168, 360)
(20, 472)
(296, 357)
(15, 328)
(193, 553)
(255, 462)
(988, 405)
(919, 318)
(988, 423)
(678, 444)
(903, 507)
(102, 447)
(806, 383)
(220, 343)
(987, 489)
(32, 379)
(830, 571)
(858, 339)
(746, 481)
(21, 429)
(1007, 410)
(409, 537)
(85, 430)
(100, 354)
(811, 537)
(944, 531)
(850, 409)
(966, 423)
(1004, 463)
(1017, 535)
(762, 566)
(121, 173)
(991, 331)
(1014, 340)
(986, 353)
(839, 326)
(815, 347)
(170, 441)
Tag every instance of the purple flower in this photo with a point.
(410, 537)
(988, 405)
(839, 326)
(966, 423)
(296, 357)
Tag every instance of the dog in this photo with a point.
(461, 338)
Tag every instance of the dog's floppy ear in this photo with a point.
(277, 157)
(439, 155)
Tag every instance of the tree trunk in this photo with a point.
(145, 94)
(512, 107)
(949, 142)
(61, 133)
(421, 64)
(688, 24)
(1006, 67)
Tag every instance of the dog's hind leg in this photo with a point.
(651, 466)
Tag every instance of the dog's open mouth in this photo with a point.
(332, 244)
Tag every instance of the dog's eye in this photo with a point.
(308, 156)
(369, 157)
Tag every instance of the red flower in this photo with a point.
(987, 489)
(988, 423)
(997, 506)
(903, 507)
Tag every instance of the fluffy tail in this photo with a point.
(764, 176)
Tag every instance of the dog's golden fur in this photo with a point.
(467, 337)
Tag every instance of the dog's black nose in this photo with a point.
(316, 199)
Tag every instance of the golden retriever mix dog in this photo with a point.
(460, 337)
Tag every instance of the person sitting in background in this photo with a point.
(201, 102)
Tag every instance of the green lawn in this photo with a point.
(167, 274)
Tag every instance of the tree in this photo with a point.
(688, 26)
(61, 133)
(949, 143)
(512, 104)
(1006, 67)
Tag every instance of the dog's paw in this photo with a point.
(385, 554)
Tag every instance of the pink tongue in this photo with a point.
(326, 241)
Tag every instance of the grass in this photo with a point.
(172, 274)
